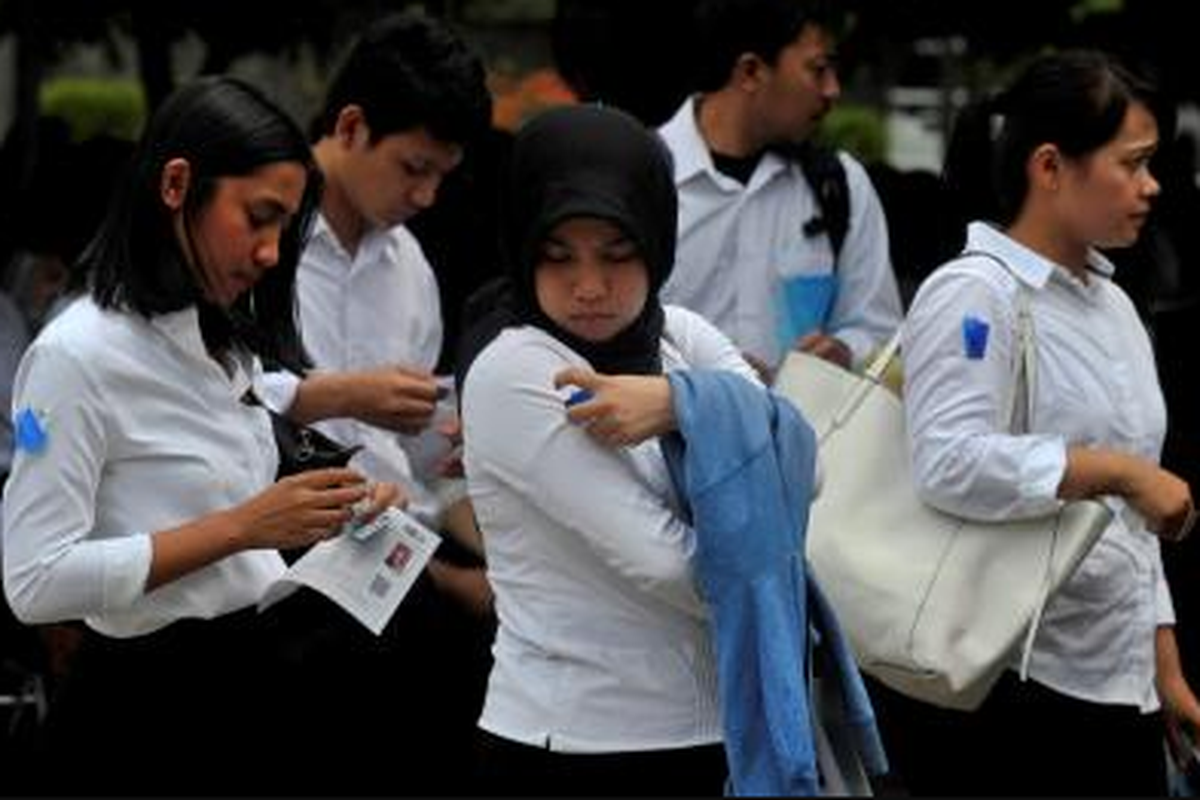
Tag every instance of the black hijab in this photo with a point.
(577, 161)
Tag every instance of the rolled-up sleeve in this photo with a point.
(1164, 607)
(55, 568)
(279, 389)
(965, 458)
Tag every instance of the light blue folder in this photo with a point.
(802, 306)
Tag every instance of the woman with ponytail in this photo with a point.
(1056, 167)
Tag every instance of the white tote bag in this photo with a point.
(935, 606)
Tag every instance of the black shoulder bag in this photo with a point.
(302, 447)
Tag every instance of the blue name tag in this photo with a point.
(975, 337)
(28, 433)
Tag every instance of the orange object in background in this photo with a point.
(519, 98)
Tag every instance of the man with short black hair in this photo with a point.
(400, 112)
(755, 252)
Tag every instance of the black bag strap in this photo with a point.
(826, 175)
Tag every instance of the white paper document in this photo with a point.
(367, 570)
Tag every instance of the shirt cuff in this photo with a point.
(861, 345)
(1164, 607)
(1043, 467)
(126, 562)
(279, 390)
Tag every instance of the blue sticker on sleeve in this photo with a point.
(28, 433)
(975, 337)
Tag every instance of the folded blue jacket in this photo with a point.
(742, 463)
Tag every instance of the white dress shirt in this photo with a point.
(603, 644)
(739, 244)
(379, 307)
(143, 432)
(1096, 385)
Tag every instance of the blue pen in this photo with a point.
(578, 396)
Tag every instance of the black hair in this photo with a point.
(406, 71)
(1074, 99)
(724, 30)
(223, 127)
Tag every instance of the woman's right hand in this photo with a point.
(295, 511)
(392, 397)
(623, 410)
(302, 509)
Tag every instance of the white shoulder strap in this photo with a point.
(883, 358)
(1021, 421)
(1024, 363)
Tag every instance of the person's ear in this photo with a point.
(749, 71)
(174, 181)
(351, 126)
(1045, 167)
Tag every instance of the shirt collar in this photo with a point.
(688, 148)
(324, 236)
(1100, 263)
(322, 230)
(1028, 265)
(182, 329)
(374, 241)
(692, 157)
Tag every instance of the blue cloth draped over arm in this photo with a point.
(743, 463)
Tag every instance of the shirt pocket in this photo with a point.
(800, 255)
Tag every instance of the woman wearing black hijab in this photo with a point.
(604, 680)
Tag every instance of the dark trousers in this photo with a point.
(1026, 739)
(507, 769)
(188, 709)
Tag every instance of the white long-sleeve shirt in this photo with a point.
(603, 644)
(379, 307)
(1096, 385)
(739, 246)
(143, 432)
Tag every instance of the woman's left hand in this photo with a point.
(622, 410)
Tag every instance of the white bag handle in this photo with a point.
(1018, 416)
(869, 380)
(1021, 420)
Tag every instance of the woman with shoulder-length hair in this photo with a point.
(143, 498)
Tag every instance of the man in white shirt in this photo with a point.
(395, 121)
(755, 250)
(398, 114)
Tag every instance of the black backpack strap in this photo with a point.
(826, 175)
